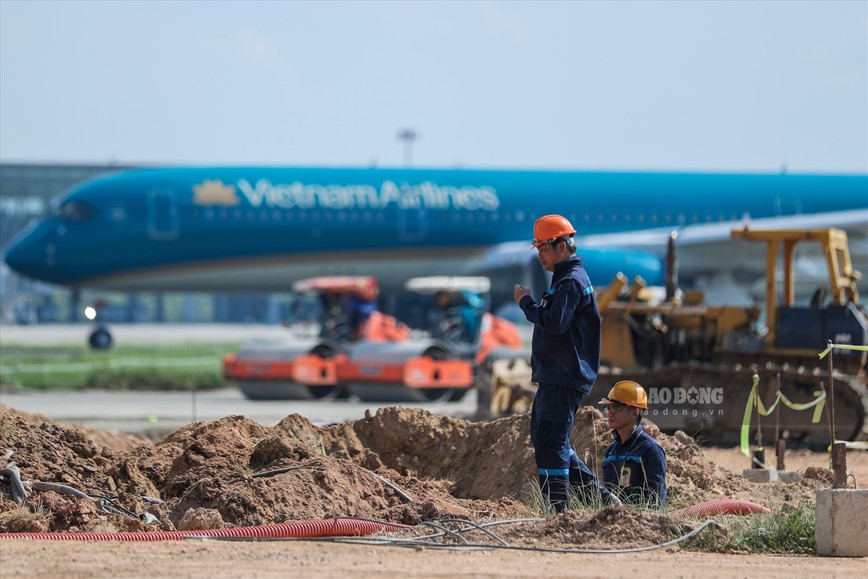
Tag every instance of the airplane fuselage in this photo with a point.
(262, 228)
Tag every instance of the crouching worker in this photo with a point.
(634, 466)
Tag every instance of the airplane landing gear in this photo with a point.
(100, 337)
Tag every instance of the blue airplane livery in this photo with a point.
(258, 228)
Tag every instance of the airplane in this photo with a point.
(261, 228)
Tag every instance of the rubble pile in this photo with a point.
(402, 465)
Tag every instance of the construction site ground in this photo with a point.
(448, 467)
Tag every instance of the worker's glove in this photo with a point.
(611, 499)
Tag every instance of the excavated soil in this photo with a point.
(402, 465)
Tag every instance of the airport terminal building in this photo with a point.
(27, 191)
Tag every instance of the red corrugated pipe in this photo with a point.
(719, 507)
(292, 529)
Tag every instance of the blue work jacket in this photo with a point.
(566, 329)
(635, 469)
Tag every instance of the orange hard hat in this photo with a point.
(629, 393)
(550, 227)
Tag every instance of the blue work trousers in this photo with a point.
(558, 467)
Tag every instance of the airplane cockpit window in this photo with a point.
(73, 211)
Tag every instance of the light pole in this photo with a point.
(408, 136)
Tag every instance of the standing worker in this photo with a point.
(634, 466)
(565, 357)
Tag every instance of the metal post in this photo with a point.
(408, 136)
(780, 449)
(759, 458)
(839, 465)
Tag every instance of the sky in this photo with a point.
(684, 86)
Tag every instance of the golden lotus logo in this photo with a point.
(215, 193)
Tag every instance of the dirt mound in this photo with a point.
(117, 441)
(403, 465)
(597, 529)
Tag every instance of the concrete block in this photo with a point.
(789, 476)
(763, 475)
(842, 522)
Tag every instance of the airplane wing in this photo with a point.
(855, 223)
(732, 270)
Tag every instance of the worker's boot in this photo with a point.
(554, 490)
(583, 484)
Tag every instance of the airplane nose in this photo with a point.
(22, 256)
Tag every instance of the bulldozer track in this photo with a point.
(708, 400)
(713, 399)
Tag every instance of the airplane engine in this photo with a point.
(603, 265)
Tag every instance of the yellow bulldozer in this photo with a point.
(698, 361)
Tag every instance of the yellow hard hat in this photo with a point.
(629, 393)
(550, 227)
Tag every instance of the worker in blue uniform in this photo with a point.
(634, 466)
(360, 308)
(565, 357)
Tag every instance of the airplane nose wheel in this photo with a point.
(100, 338)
